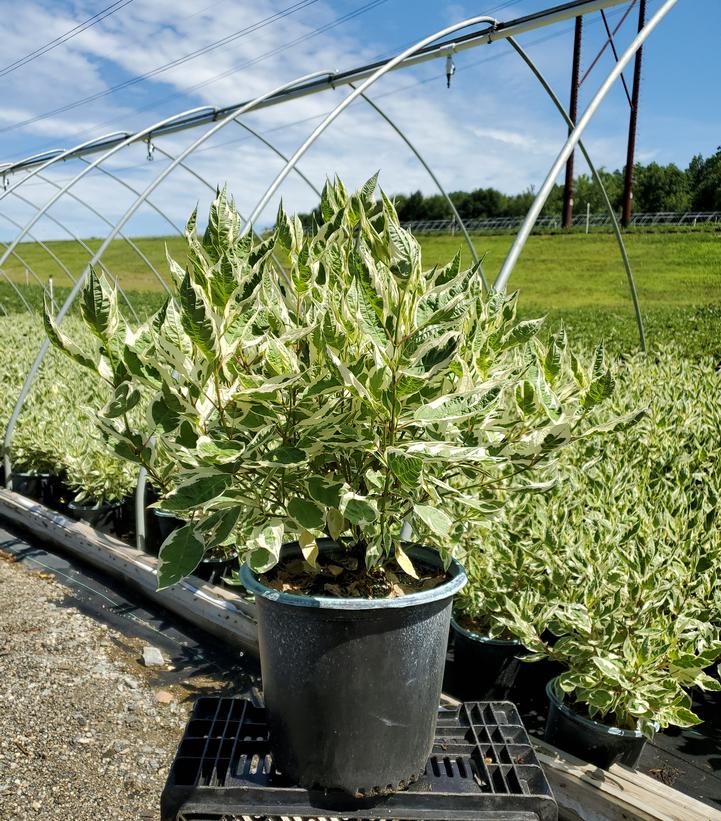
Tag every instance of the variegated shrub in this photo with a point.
(344, 394)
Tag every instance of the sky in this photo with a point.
(492, 127)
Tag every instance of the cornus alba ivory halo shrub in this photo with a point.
(343, 394)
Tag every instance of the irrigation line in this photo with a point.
(573, 138)
(404, 56)
(490, 34)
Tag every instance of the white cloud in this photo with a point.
(494, 127)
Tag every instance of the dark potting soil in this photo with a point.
(347, 577)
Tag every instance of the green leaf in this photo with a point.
(325, 491)
(610, 669)
(521, 333)
(358, 509)
(126, 397)
(165, 411)
(306, 513)
(682, 717)
(460, 406)
(196, 492)
(434, 519)
(407, 469)
(264, 546)
(195, 318)
(180, 554)
(598, 391)
(62, 342)
(99, 307)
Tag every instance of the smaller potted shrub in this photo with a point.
(506, 584)
(35, 470)
(621, 687)
(100, 484)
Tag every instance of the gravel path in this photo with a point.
(84, 732)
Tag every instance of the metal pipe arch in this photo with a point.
(45, 344)
(573, 138)
(7, 441)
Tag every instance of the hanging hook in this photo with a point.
(450, 65)
(151, 150)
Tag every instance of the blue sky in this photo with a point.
(492, 127)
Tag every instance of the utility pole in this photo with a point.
(567, 217)
(632, 121)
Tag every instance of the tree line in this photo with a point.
(655, 188)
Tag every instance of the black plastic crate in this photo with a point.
(482, 767)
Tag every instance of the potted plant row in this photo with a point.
(619, 606)
(329, 423)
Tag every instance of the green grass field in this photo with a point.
(575, 277)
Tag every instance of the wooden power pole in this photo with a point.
(567, 216)
(632, 121)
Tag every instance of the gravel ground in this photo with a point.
(85, 733)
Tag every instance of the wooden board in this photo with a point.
(588, 793)
(583, 792)
(211, 607)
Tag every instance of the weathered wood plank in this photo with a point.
(587, 793)
(211, 607)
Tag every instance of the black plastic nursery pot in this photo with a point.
(166, 524)
(42, 487)
(214, 570)
(589, 740)
(107, 518)
(486, 669)
(352, 686)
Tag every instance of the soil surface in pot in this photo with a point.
(347, 577)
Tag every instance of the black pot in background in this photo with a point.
(486, 669)
(213, 570)
(42, 487)
(352, 686)
(107, 518)
(158, 526)
(589, 740)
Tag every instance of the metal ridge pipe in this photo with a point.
(496, 31)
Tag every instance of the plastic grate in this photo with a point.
(482, 766)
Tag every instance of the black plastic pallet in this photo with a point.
(482, 767)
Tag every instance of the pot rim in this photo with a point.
(97, 506)
(165, 514)
(32, 474)
(445, 590)
(471, 634)
(597, 726)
